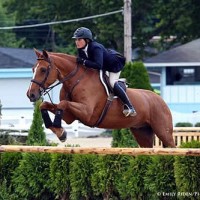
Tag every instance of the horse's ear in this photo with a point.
(45, 54)
(38, 53)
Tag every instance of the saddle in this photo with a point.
(105, 81)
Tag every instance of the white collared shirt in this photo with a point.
(85, 50)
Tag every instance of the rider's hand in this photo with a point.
(80, 60)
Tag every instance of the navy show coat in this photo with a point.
(98, 57)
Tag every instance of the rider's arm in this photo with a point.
(96, 62)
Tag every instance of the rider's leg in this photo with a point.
(120, 92)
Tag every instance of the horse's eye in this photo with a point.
(43, 70)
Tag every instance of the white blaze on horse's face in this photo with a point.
(34, 92)
(32, 78)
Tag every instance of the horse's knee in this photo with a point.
(48, 106)
(44, 105)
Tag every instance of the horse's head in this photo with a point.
(44, 74)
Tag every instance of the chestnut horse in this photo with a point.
(83, 97)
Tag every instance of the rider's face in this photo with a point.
(80, 43)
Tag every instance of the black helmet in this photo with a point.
(83, 33)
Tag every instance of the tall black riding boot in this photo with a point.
(128, 107)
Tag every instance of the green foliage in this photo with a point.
(36, 133)
(30, 177)
(197, 124)
(7, 36)
(136, 75)
(5, 138)
(6, 193)
(80, 175)
(149, 18)
(183, 124)
(107, 172)
(132, 181)
(187, 173)
(59, 175)
(160, 177)
(181, 22)
(9, 162)
(123, 138)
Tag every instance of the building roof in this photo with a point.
(16, 58)
(187, 53)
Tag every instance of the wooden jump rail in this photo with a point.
(104, 151)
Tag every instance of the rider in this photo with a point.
(95, 55)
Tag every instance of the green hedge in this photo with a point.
(187, 173)
(42, 176)
(183, 124)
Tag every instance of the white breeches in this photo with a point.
(113, 78)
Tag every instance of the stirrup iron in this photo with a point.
(129, 111)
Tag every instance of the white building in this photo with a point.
(178, 79)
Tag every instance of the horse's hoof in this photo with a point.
(63, 137)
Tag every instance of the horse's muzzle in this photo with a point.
(33, 96)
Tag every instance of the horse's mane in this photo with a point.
(64, 55)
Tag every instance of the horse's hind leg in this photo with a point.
(144, 136)
(164, 131)
(165, 134)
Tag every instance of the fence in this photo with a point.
(180, 135)
(22, 125)
(102, 151)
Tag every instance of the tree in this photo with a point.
(36, 133)
(149, 18)
(81, 170)
(7, 36)
(131, 182)
(60, 175)
(105, 29)
(186, 169)
(123, 138)
(30, 178)
(136, 75)
(159, 180)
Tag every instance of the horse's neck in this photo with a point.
(67, 63)
(64, 62)
(65, 56)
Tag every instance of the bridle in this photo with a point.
(41, 84)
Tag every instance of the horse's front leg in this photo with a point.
(55, 128)
(79, 110)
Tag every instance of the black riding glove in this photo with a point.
(80, 60)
